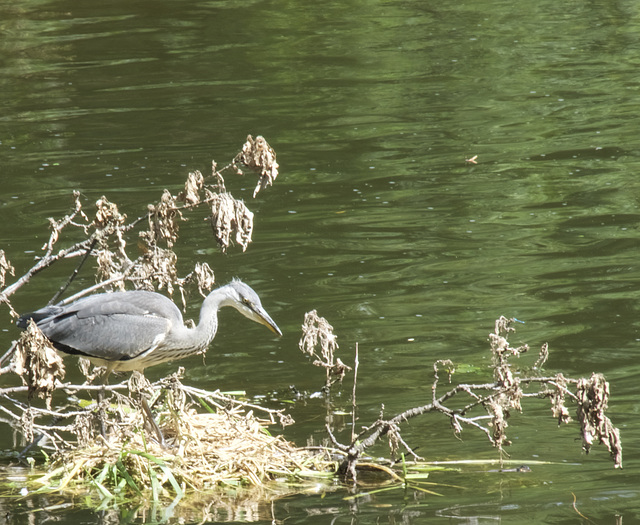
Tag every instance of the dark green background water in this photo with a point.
(376, 220)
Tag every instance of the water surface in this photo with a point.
(376, 219)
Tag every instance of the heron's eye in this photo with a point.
(247, 302)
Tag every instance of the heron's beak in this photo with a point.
(265, 319)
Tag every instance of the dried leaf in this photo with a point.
(204, 278)
(191, 194)
(542, 356)
(5, 267)
(317, 332)
(230, 216)
(558, 407)
(163, 221)
(111, 266)
(108, 217)
(260, 157)
(593, 399)
(157, 267)
(499, 423)
(501, 350)
(37, 363)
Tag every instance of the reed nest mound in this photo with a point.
(206, 445)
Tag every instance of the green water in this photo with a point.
(376, 220)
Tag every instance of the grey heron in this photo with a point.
(136, 329)
(133, 330)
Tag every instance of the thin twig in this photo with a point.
(227, 399)
(75, 272)
(354, 405)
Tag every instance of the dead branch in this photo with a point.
(497, 400)
(143, 261)
(108, 233)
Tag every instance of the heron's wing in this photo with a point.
(114, 327)
(137, 302)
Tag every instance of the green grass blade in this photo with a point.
(163, 466)
(127, 477)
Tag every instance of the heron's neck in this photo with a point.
(208, 325)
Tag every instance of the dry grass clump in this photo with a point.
(227, 445)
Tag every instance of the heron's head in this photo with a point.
(244, 299)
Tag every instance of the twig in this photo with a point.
(205, 394)
(354, 405)
(42, 264)
(577, 511)
(335, 442)
(92, 289)
(75, 272)
(68, 386)
(6, 355)
(13, 390)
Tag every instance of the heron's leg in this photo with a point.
(102, 415)
(137, 385)
(152, 422)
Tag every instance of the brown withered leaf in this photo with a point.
(593, 400)
(109, 266)
(156, 267)
(108, 217)
(5, 267)
(230, 217)
(260, 157)
(37, 363)
(191, 194)
(542, 356)
(557, 397)
(317, 332)
(202, 276)
(163, 221)
(499, 414)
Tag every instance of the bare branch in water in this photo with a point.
(496, 399)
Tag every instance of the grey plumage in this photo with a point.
(136, 329)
